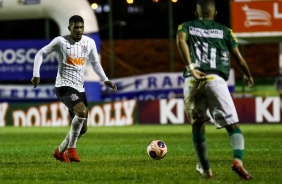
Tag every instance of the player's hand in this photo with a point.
(197, 74)
(35, 81)
(249, 80)
(111, 85)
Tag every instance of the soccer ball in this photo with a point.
(157, 149)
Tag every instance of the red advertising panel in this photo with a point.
(250, 16)
(149, 112)
(171, 111)
(246, 109)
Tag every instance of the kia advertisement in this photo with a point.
(171, 111)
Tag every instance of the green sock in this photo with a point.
(200, 146)
(237, 143)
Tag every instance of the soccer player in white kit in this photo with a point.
(73, 51)
(205, 48)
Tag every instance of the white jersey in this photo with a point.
(72, 58)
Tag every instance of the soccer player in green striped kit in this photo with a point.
(205, 47)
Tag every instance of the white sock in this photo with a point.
(237, 141)
(76, 126)
(63, 147)
(65, 143)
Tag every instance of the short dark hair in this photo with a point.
(75, 18)
(207, 6)
(205, 3)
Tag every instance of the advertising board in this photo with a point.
(251, 18)
(128, 112)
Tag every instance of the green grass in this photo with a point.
(263, 87)
(118, 155)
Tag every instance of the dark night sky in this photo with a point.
(153, 22)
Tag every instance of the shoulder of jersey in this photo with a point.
(86, 38)
(65, 37)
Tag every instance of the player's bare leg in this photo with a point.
(237, 144)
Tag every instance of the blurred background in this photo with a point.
(136, 43)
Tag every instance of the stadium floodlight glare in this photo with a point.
(99, 9)
(130, 1)
(94, 6)
(106, 8)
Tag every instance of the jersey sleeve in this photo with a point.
(231, 38)
(182, 28)
(42, 53)
(94, 59)
(51, 47)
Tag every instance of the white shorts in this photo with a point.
(212, 95)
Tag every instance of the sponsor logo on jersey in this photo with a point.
(194, 82)
(76, 61)
(206, 33)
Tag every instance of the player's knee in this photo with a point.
(197, 126)
(81, 112)
(198, 119)
(232, 128)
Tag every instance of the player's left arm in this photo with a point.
(96, 65)
(243, 66)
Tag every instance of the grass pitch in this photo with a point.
(118, 155)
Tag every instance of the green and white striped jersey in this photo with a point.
(209, 43)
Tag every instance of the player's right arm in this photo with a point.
(240, 61)
(185, 54)
(38, 59)
(36, 67)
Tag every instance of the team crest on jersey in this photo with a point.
(74, 97)
(84, 49)
(224, 55)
